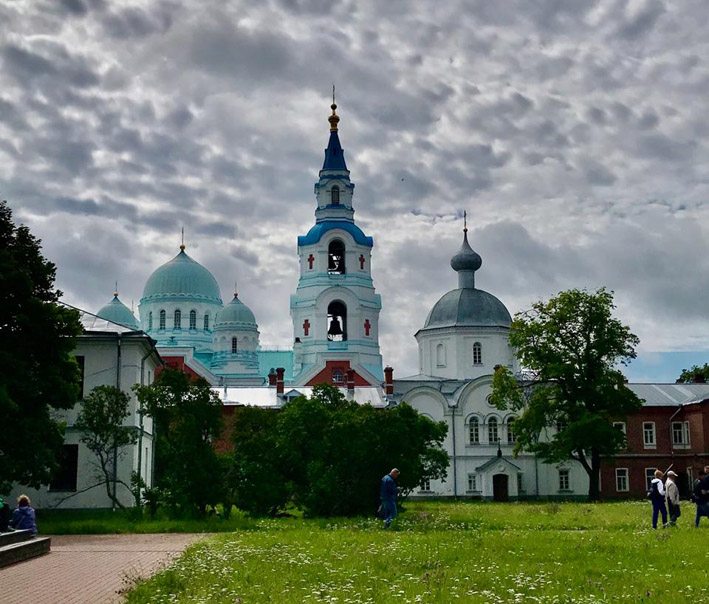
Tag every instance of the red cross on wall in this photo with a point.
(306, 326)
(367, 327)
(361, 261)
(311, 259)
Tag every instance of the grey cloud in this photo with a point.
(133, 22)
(644, 21)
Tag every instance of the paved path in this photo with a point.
(89, 569)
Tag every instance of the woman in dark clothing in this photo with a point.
(23, 517)
(657, 496)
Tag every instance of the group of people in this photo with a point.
(665, 497)
(22, 517)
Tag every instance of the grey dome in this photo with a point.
(468, 307)
(466, 259)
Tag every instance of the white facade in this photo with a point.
(114, 356)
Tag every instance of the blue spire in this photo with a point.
(334, 155)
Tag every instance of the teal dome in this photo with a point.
(182, 277)
(117, 312)
(236, 313)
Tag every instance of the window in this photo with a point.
(440, 355)
(162, 319)
(649, 475)
(477, 354)
(492, 430)
(64, 478)
(234, 346)
(649, 435)
(561, 425)
(564, 480)
(621, 480)
(178, 320)
(680, 433)
(337, 321)
(620, 426)
(335, 195)
(472, 482)
(193, 319)
(474, 431)
(426, 485)
(206, 322)
(520, 485)
(80, 360)
(338, 377)
(150, 320)
(511, 438)
(336, 258)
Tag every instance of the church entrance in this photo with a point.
(500, 490)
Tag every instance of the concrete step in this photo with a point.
(14, 537)
(24, 550)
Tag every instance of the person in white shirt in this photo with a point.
(657, 497)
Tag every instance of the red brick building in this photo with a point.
(672, 428)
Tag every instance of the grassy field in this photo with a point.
(447, 552)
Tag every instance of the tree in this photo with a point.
(694, 373)
(331, 452)
(569, 348)
(187, 416)
(37, 372)
(100, 422)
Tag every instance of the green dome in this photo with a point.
(117, 312)
(235, 313)
(182, 277)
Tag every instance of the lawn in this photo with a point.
(447, 552)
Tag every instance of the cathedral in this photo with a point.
(185, 324)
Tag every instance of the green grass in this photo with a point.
(448, 552)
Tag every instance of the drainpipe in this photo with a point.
(455, 464)
(672, 444)
(140, 424)
(115, 449)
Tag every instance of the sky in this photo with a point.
(572, 132)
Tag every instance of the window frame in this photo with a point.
(511, 437)
(619, 477)
(234, 345)
(477, 354)
(564, 477)
(440, 355)
(684, 435)
(473, 424)
(177, 320)
(473, 483)
(647, 444)
(492, 422)
(649, 476)
(206, 321)
(64, 485)
(162, 325)
(193, 320)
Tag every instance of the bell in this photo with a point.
(335, 327)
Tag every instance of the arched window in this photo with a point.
(474, 430)
(336, 258)
(477, 354)
(206, 322)
(492, 430)
(441, 355)
(178, 320)
(338, 377)
(511, 438)
(150, 320)
(337, 321)
(234, 346)
(193, 319)
(162, 319)
(335, 195)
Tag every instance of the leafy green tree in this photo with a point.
(689, 376)
(569, 348)
(254, 480)
(100, 422)
(333, 452)
(187, 416)
(37, 372)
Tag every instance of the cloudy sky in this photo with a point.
(573, 132)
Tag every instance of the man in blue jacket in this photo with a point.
(387, 495)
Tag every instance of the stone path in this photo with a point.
(89, 569)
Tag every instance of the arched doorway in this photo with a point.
(500, 487)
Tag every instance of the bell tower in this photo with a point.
(335, 309)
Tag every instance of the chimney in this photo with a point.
(279, 380)
(350, 382)
(388, 381)
(272, 377)
(699, 378)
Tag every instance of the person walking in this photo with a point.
(672, 497)
(701, 498)
(657, 497)
(387, 495)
